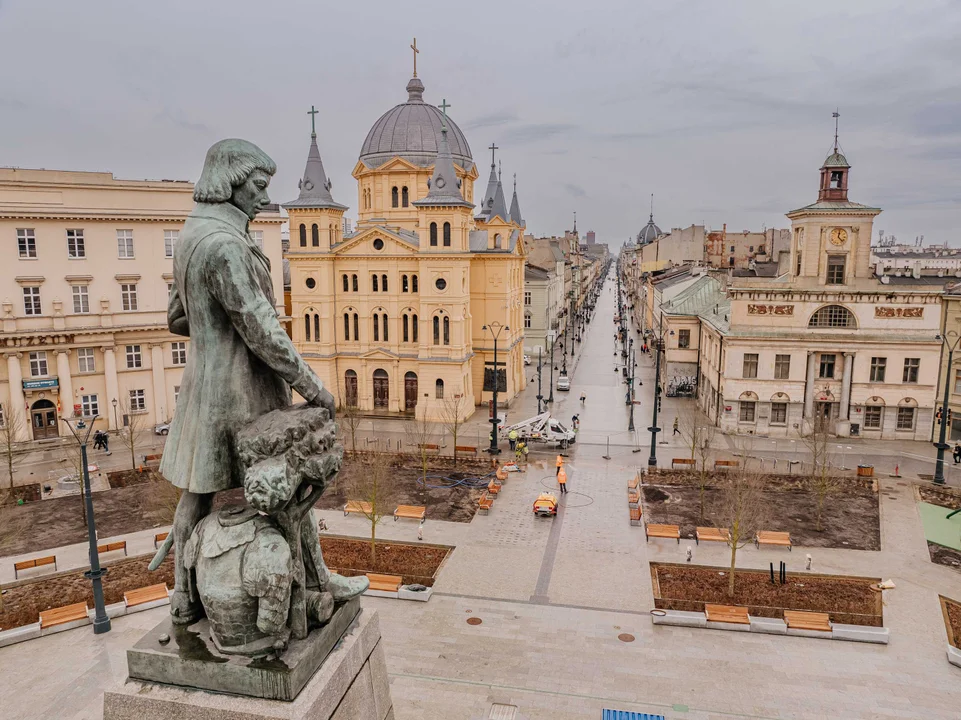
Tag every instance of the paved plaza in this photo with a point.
(554, 594)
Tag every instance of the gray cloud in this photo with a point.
(575, 190)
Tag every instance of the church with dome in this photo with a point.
(401, 316)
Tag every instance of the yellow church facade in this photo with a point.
(398, 318)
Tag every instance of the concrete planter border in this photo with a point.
(954, 653)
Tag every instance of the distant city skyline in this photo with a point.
(723, 111)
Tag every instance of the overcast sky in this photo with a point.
(721, 109)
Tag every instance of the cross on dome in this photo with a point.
(416, 53)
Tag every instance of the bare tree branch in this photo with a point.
(10, 446)
(452, 417)
(822, 481)
(373, 488)
(740, 508)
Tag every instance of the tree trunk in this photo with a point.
(730, 583)
(373, 543)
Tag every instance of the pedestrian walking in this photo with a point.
(957, 453)
(562, 480)
(559, 463)
(583, 397)
(105, 442)
(96, 440)
(676, 428)
(512, 439)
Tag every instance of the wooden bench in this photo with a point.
(386, 583)
(635, 516)
(412, 512)
(466, 448)
(772, 537)
(493, 488)
(61, 615)
(111, 547)
(433, 447)
(710, 534)
(686, 462)
(485, 502)
(803, 620)
(633, 497)
(634, 483)
(159, 538)
(727, 614)
(132, 598)
(35, 563)
(654, 530)
(358, 506)
(724, 464)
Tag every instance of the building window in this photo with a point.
(527, 321)
(527, 297)
(413, 323)
(404, 197)
(373, 283)
(346, 326)
(38, 364)
(832, 316)
(26, 243)
(134, 357)
(684, 338)
(176, 394)
(836, 178)
(86, 361)
(356, 326)
(178, 353)
(497, 241)
(826, 369)
(383, 283)
(31, 301)
(316, 327)
(782, 367)
(446, 234)
(314, 235)
(911, 367)
(353, 282)
(778, 413)
(872, 417)
(303, 235)
(128, 296)
(433, 234)
(879, 366)
(383, 325)
(170, 291)
(413, 283)
(346, 284)
(81, 301)
(797, 267)
(258, 237)
(750, 365)
(406, 327)
(905, 418)
(746, 411)
(835, 270)
(404, 283)
(957, 381)
(125, 244)
(730, 261)
(439, 389)
(732, 248)
(138, 401)
(75, 246)
(171, 238)
(446, 330)
(393, 197)
(436, 322)
(90, 405)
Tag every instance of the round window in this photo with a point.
(311, 283)
(440, 283)
(378, 244)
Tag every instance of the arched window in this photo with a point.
(346, 284)
(356, 327)
(353, 280)
(446, 330)
(316, 327)
(413, 322)
(373, 283)
(439, 389)
(350, 388)
(383, 319)
(314, 235)
(433, 234)
(446, 234)
(832, 316)
(307, 327)
(404, 197)
(303, 235)
(383, 283)
(497, 241)
(436, 330)
(406, 327)
(404, 284)
(376, 328)
(413, 283)
(346, 326)
(393, 196)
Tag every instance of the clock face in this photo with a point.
(839, 236)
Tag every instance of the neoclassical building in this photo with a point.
(826, 337)
(398, 317)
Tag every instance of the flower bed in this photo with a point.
(416, 563)
(847, 599)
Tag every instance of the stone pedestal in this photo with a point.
(351, 684)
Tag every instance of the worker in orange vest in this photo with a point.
(559, 463)
(562, 479)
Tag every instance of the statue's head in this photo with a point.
(238, 172)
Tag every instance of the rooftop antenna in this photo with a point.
(652, 207)
(836, 115)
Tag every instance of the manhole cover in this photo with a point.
(625, 637)
(474, 621)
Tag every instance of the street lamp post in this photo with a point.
(540, 397)
(654, 429)
(553, 339)
(941, 445)
(495, 329)
(81, 427)
(630, 388)
(116, 418)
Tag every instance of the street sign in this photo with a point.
(37, 384)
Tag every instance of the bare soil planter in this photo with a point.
(415, 563)
(847, 599)
(951, 609)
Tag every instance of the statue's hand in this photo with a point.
(325, 400)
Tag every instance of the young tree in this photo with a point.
(10, 430)
(698, 434)
(822, 480)
(420, 434)
(349, 417)
(740, 510)
(129, 434)
(452, 416)
(372, 486)
(72, 461)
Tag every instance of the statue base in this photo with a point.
(351, 677)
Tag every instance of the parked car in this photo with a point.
(563, 383)
(527, 360)
(162, 428)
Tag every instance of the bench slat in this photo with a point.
(61, 615)
(132, 598)
(386, 583)
(773, 537)
(727, 613)
(805, 620)
(357, 506)
(663, 531)
(711, 534)
(415, 512)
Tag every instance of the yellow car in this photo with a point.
(545, 505)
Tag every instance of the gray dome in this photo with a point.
(649, 233)
(412, 131)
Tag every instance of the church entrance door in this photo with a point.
(410, 392)
(381, 390)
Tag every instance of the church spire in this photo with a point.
(516, 216)
(444, 185)
(488, 202)
(314, 186)
(499, 205)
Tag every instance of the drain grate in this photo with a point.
(499, 711)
